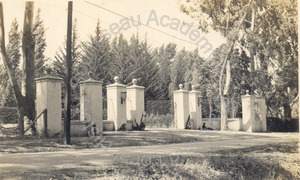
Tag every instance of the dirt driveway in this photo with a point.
(209, 142)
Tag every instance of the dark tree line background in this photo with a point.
(272, 41)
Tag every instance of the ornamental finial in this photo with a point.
(116, 78)
(48, 71)
(180, 86)
(134, 81)
(91, 75)
(247, 92)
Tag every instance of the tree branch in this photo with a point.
(7, 65)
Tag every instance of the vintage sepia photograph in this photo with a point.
(149, 89)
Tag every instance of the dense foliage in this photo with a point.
(265, 32)
(263, 59)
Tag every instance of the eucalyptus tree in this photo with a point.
(266, 31)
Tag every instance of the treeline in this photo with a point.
(160, 70)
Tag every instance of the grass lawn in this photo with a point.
(273, 161)
(280, 161)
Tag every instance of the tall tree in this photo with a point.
(209, 83)
(59, 64)
(121, 64)
(59, 67)
(14, 56)
(13, 51)
(134, 60)
(28, 71)
(178, 67)
(38, 33)
(25, 102)
(96, 55)
(145, 68)
(194, 66)
(261, 29)
(96, 58)
(163, 57)
(240, 82)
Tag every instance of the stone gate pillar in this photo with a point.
(48, 96)
(254, 113)
(181, 107)
(261, 112)
(135, 102)
(91, 105)
(116, 103)
(195, 110)
(248, 113)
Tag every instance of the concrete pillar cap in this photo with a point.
(116, 84)
(134, 86)
(48, 76)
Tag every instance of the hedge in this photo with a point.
(280, 125)
(8, 115)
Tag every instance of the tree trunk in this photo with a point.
(28, 64)
(252, 55)
(210, 109)
(11, 75)
(287, 111)
(223, 113)
(222, 94)
(21, 121)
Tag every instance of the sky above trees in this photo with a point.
(54, 15)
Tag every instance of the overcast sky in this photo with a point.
(54, 14)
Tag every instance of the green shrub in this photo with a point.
(162, 121)
(281, 125)
(8, 115)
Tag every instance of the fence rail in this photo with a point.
(159, 107)
(44, 113)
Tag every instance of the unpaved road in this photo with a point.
(21, 162)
